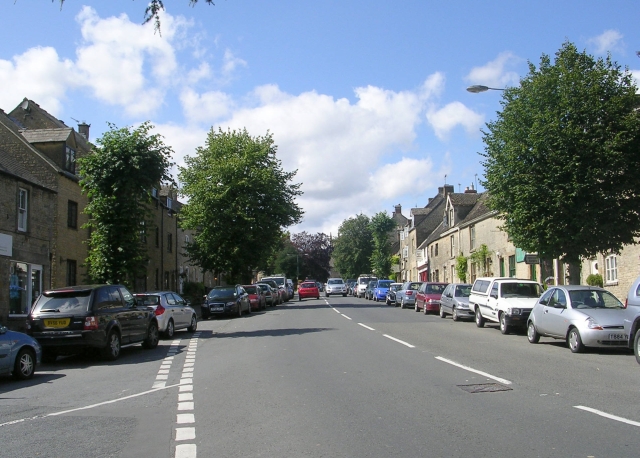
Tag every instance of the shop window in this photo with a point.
(25, 285)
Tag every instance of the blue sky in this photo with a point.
(366, 99)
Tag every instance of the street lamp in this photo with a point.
(480, 88)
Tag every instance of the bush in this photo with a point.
(595, 280)
(193, 291)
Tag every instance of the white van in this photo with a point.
(362, 282)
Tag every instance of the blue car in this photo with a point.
(19, 354)
(380, 291)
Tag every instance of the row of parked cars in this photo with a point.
(582, 315)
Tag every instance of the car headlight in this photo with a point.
(514, 311)
(591, 324)
(230, 304)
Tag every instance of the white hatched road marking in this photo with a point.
(186, 403)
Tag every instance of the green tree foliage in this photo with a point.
(480, 258)
(239, 199)
(461, 267)
(561, 160)
(117, 177)
(381, 224)
(595, 280)
(353, 247)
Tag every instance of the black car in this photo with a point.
(225, 300)
(104, 317)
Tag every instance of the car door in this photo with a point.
(446, 299)
(491, 310)
(181, 310)
(133, 319)
(173, 309)
(555, 315)
(5, 350)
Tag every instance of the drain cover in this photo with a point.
(485, 388)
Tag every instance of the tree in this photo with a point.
(353, 247)
(152, 11)
(117, 177)
(561, 160)
(239, 199)
(314, 255)
(380, 225)
(461, 267)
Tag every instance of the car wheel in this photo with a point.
(401, 303)
(152, 337)
(318, 297)
(415, 306)
(504, 327)
(344, 295)
(25, 364)
(194, 324)
(112, 350)
(479, 318)
(49, 356)
(299, 298)
(532, 333)
(575, 341)
(239, 310)
(454, 314)
(636, 346)
(170, 330)
(442, 314)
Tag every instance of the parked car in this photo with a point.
(104, 317)
(277, 290)
(368, 292)
(226, 300)
(350, 287)
(281, 285)
(172, 311)
(271, 295)
(257, 299)
(308, 289)
(290, 288)
(455, 301)
(380, 290)
(428, 297)
(320, 286)
(20, 354)
(583, 316)
(362, 282)
(390, 299)
(406, 295)
(335, 286)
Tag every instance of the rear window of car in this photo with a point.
(414, 286)
(149, 299)
(251, 289)
(308, 285)
(435, 289)
(481, 286)
(63, 301)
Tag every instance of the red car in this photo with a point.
(428, 297)
(257, 299)
(308, 289)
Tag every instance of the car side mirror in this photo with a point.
(494, 295)
(187, 303)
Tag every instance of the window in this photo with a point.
(402, 235)
(169, 243)
(169, 203)
(405, 252)
(472, 237)
(512, 266)
(453, 245)
(502, 267)
(143, 232)
(436, 249)
(186, 240)
(611, 268)
(453, 273)
(25, 285)
(72, 269)
(533, 274)
(436, 275)
(23, 202)
(154, 192)
(451, 222)
(70, 160)
(72, 214)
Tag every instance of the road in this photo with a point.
(335, 377)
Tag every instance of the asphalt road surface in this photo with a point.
(335, 377)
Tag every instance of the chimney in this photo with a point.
(470, 190)
(83, 129)
(443, 191)
(398, 209)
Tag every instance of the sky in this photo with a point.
(366, 99)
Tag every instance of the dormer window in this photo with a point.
(70, 160)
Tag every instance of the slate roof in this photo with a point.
(480, 209)
(47, 135)
(464, 199)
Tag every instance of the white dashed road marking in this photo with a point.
(366, 327)
(345, 316)
(399, 341)
(467, 368)
(608, 415)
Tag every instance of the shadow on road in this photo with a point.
(271, 332)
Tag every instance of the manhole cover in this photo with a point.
(485, 388)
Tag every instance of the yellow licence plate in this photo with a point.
(57, 323)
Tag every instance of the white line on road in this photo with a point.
(345, 316)
(470, 369)
(366, 327)
(336, 310)
(608, 415)
(399, 341)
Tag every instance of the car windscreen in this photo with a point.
(149, 299)
(463, 291)
(384, 284)
(335, 282)
(520, 290)
(279, 280)
(222, 292)
(63, 302)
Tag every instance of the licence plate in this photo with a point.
(217, 309)
(57, 323)
(618, 337)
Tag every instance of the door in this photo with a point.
(554, 314)
(491, 310)
(183, 315)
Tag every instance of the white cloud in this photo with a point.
(636, 77)
(38, 74)
(207, 107)
(117, 55)
(608, 41)
(451, 115)
(495, 73)
(230, 63)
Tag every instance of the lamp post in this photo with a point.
(480, 88)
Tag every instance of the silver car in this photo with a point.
(335, 286)
(584, 316)
(19, 354)
(171, 310)
(455, 301)
(406, 295)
